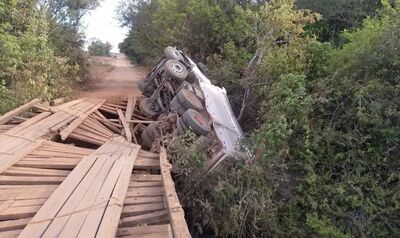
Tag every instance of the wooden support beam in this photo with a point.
(9, 115)
(176, 213)
(128, 132)
(141, 122)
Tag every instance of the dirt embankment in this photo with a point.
(113, 77)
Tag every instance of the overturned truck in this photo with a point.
(180, 97)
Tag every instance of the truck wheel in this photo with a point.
(142, 85)
(147, 142)
(177, 106)
(190, 100)
(172, 53)
(197, 122)
(147, 108)
(175, 70)
(152, 131)
(181, 126)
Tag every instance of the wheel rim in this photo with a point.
(177, 68)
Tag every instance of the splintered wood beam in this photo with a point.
(78, 121)
(141, 122)
(58, 101)
(176, 213)
(128, 132)
(130, 107)
(9, 115)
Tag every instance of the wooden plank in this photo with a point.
(135, 184)
(10, 234)
(114, 183)
(130, 107)
(23, 171)
(146, 177)
(8, 161)
(141, 121)
(13, 224)
(74, 212)
(143, 230)
(109, 223)
(149, 218)
(128, 132)
(134, 210)
(145, 192)
(49, 210)
(71, 127)
(18, 212)
(18, 180)
(9, 115)
(29, 202)
(142, 163)
(176, 213)
(142, 200)
(57, 101)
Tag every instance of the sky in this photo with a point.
(101, 24)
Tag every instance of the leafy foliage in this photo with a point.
(99, 48)
(322, 121)
(31, 63)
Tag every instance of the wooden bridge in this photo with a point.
(70, 170)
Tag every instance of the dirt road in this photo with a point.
(113, 77)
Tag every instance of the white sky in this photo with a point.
(101, 24)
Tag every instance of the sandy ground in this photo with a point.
(111, 77)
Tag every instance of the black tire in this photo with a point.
(197, 122)
(189, 100)
(172, 53)
(152, 131)
(177, 106)
(147, 142)
(203, 68)
(147, 108)
(175, 70)
(142, 85)
(179, 127)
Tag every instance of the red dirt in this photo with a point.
(111, 77)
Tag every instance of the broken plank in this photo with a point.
(130, 107)
(71, 127)
(9, 115)
(7, 161)
(125, 124)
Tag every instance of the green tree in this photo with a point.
(339, 15)
(99, 48)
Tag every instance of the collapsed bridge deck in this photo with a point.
(71, 171)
